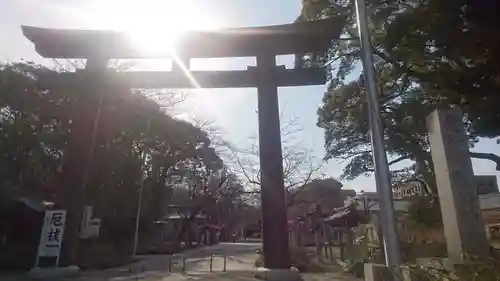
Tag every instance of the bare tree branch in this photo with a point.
(355, 53)
(487, 156)
(166, 100)
(399, 159)
(298, 166)
(68, 65)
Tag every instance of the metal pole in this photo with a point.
(139, 203)
(382, 174)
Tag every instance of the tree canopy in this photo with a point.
(327, 192)
(135, 139)
(428, 54)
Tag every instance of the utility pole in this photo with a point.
(382, 174)
(141, 191)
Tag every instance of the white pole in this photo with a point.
(139, 203)
(382, 174)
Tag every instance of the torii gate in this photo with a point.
(264, 43)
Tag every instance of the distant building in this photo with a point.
(490, 213)
(409, 189)
(486, 184)
(489, 200)
(22, 218)
(325, 195)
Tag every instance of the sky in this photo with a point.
(232, 111)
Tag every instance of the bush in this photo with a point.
(359, 254)
(425, 211)
(475, 270)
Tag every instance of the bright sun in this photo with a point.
(154, 25)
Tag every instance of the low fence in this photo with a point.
(211, 259)
(181, 264)
(325, 253)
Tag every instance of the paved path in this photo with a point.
(240, 258)
(239, 267)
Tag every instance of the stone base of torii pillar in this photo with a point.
(291, 274)
(51, 273)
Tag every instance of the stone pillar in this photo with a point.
(274, 217)
(463, 227)
(377, 272)
(75, 171)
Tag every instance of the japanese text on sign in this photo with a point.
(52, 233)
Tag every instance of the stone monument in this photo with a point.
(463, 227)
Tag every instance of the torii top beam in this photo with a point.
(296, 38)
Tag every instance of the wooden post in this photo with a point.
(341, 244)
(78, 157)
(274, 221)
(211, 262)
(319, 245)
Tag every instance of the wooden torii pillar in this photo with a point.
(264, 43)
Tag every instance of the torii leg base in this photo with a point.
(291, 274)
